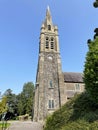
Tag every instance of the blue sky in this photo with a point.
(20, 22)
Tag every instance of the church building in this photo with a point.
(53, 87)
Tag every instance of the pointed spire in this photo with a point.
(48, 16)
(48, 8)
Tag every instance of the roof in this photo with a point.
(73, 77)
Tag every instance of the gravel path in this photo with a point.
(26, 125)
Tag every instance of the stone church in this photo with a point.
(53, 87)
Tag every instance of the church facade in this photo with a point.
(53, 87)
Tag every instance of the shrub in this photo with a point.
(94, 126)
(78, 125)
(77, 114)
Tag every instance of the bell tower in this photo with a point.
(49, 78)
(49, 35)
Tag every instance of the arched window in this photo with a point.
(49, 27)
(51, 84)
(47, 38)
(52, 43)
(47, 42)
(52, 39)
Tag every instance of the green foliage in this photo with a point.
(78, 114)
(3, 107)
(5, 124)
(20, 104)
(11, 102)
(78, 125)
(95, 4)
(94, 126)
(60, 117)
(91, 70)
(25, 99)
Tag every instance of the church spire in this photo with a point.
(48, 19)
(48, 14)
(49, 73)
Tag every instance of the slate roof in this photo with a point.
(73, 77)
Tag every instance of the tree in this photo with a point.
(25, 99)
(11, 103)
(3, 106)
(91, 69)
(20, 104)
(95, 4)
